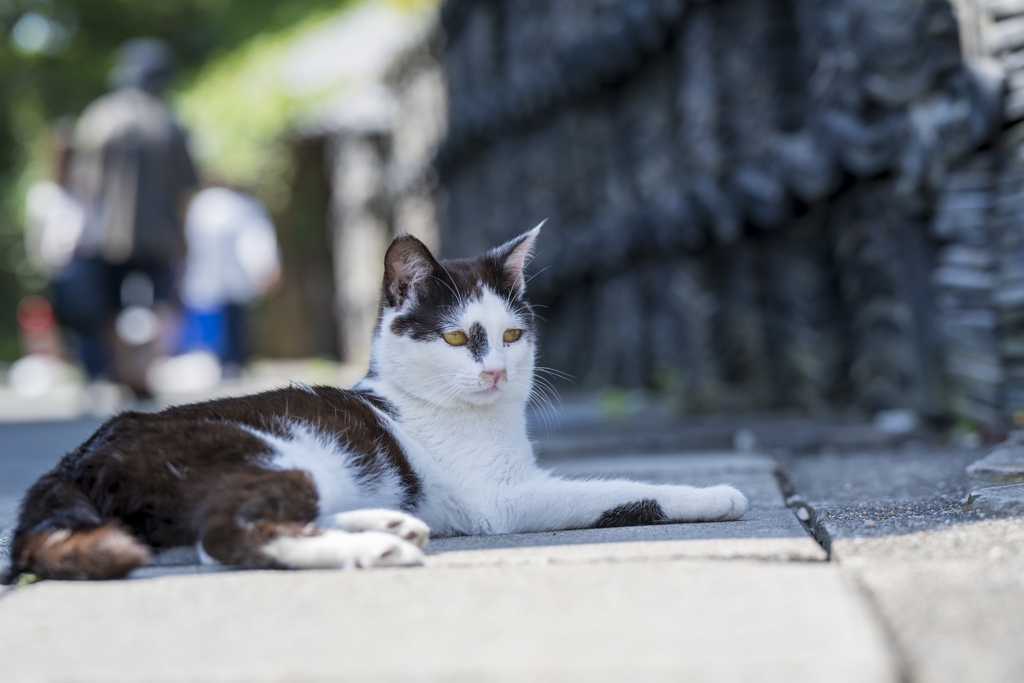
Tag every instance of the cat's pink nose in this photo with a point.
(495, 376)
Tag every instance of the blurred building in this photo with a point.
(362, 171)
(753, 203)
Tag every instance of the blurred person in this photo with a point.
(54, 244)
(133, 170)
(54, 220)
(54, 216)
(233, 258)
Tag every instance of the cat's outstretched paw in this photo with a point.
(386, 550)
(727, 502)
(399, 524)
(343, 550)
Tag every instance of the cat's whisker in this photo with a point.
(449, 396)
(533, 275)
(547, 419)
(419, 388)
(438, 391)
(542, 384)
(544, 388)
(542, 401)
(555, 373)
(540, 379)
(433, 387)
(425, 382)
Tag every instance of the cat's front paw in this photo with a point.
(393, 522)
(726, 503)
(342, 550)
(375, 549)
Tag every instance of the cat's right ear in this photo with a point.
(408, 264)
(513, 256)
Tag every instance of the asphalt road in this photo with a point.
(27, 450)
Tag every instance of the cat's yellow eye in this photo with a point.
(511, 335)
(455, 337)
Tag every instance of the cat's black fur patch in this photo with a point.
(641, 512)
(476, 341)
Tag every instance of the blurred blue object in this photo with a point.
(204, 329)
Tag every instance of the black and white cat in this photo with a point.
(433, 438)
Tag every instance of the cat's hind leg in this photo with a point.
(61, 535)
(260, 518)
(393, 522)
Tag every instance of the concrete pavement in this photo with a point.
(946, 579)
(916, 588)
(651, 621)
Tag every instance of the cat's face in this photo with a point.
(457, 332)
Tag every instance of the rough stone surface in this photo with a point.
(1004, 465)
(998, 500)
(879, 492)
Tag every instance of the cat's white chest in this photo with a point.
(470, 475)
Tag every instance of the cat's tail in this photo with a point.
(61, 535)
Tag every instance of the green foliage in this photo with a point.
(238, 109)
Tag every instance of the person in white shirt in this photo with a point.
(232, 259)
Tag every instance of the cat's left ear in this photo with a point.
(514, 256)
(408, 265)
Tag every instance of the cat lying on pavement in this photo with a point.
(433, 439)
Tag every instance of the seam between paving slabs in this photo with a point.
(815, 526)
(810, 520)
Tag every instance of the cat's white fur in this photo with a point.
(334, 549)
(464, 432)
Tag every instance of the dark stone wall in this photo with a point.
(745, 197)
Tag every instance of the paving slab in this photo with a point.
(765, 535)
(945, 580)
(769, 531)
(953, 597)
(658, 621)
